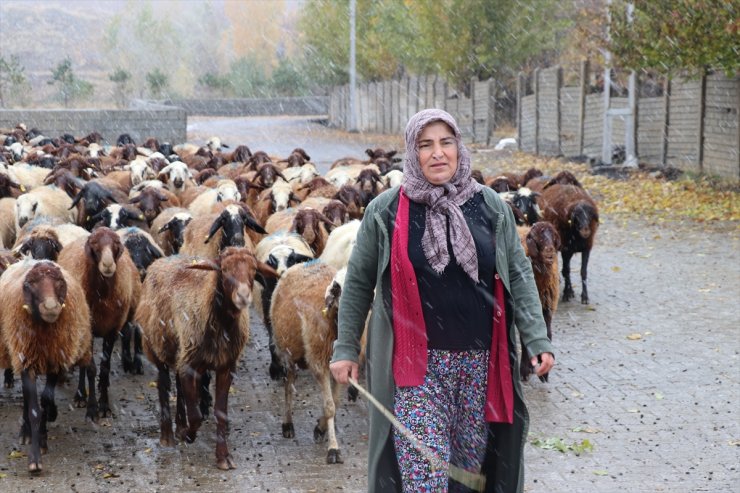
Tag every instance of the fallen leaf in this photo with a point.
(586, 429)
(99, 467)
(110, 475)
(616, 268)
(704, 290)
(633, 410)
(140, 397)
(153, 384)
(634, 337)
(148, 450)
(16, 454)
(600, 472)
(734, 442)
(232, 390)
(3, 475)
(648, 333)
(659, 396)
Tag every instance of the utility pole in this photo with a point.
(352, 67)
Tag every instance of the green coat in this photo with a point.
(368, 282)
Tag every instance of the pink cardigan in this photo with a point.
(409, 330)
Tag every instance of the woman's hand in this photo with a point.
(343, 369)
(543, 363)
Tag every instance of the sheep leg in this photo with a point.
(206, 401)
(181, 419)
(568, 289)
(277, 371)
(33, 409)
(164, 385)
(8, 378)
(288, 430)
(330, 394)
(190, 383)
(104, 409)
(25, 434)
(584, 273)
(138, 350)
(224, 377)
(92, 404)
(48, 409)
(81, 394)
(126, 360)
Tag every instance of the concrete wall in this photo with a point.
(693, 126)
(167, 124)
(313, 105)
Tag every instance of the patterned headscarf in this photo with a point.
(442, 201)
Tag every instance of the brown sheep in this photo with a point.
(111, 283)
(205, 309)
(207, 235)
(352, 198)
(317, 187)
(304, 323)
(575, 215)
(541, 243)
(44, 330)
(168, 229)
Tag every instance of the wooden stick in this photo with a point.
(476, 482)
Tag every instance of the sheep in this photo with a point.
(65, 233)
(563, 178)
(200, 322)
(117, 216)
(25, 174)
(168, 228)
(340, 243)
(317, 187)
(7, 222)
(66, 180)
(44, 330)
(151, 202)
(302, 174)
(304, 320)
(369, 184)
(393, 178)
(176, 176)
(225, 229)
(225, 190)
(9, 188)
(523, 202)
(306, 222)
(41, 243)
(141, 247)
(94, 197)
(541, 244)
(352, 198)
(274, 199)
(575, 215)
(47, 201)
(111, 283)
(280, 251)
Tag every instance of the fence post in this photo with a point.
(519, 97)
(585, 77)
(491, 117)
(558, 87)
(702, 106)
(666, 120)
(536, 84)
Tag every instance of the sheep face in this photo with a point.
(104, 247)
(44, 292)
(141, 250)
(282, 257)
(233, 219)
(543, 243)
(581, 219)
(140, 171)
(227, 191)
(176, 227)
(336, 212)
(42, 246)
(25, 209)
(175, 175)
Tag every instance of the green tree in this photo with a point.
(70, 87)
(12, 80)
(218, 84)
(121, 78)
(248, 78)
(288, 80)
(676, 35)
(158, 83)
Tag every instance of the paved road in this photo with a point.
(660, 411)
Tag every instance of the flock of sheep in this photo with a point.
(166, 248)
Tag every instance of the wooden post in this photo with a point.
(702, 106)
(491, 118)
(536, 84)
(666, 120)
(558, 102)
(519, 96)
(585, 78)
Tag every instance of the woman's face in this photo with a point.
(437, 153)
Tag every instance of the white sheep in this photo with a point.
(339, 245)
(48, 200)
(225, 190)
(304, 317)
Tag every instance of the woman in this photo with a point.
(441, 263)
